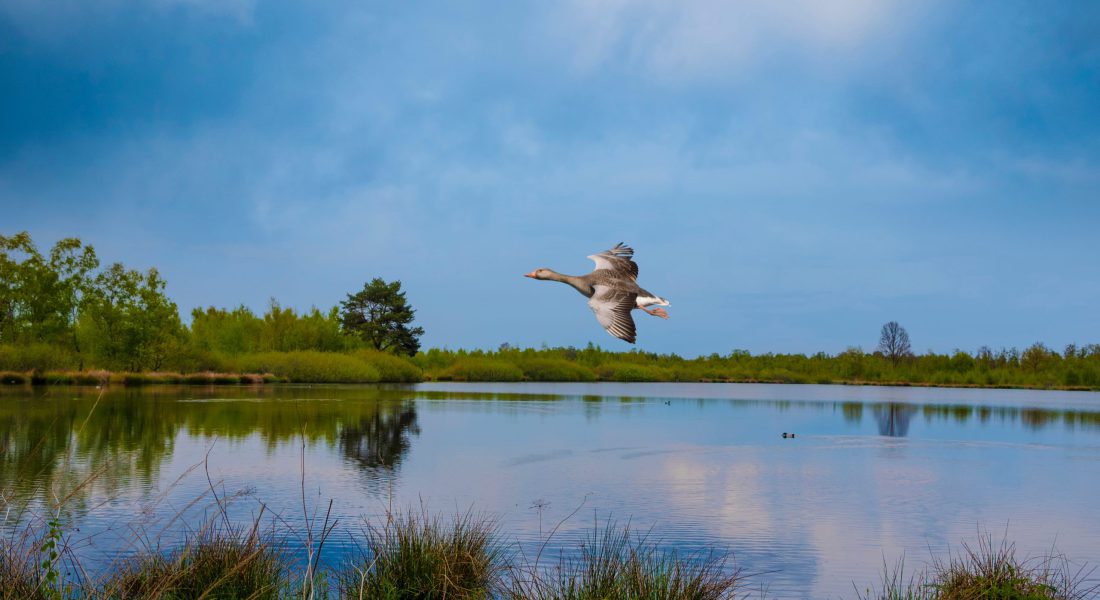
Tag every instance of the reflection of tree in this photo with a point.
(893, 419)
(381, 439)
(54, 441)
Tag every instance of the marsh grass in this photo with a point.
(415, 555)
(219, 562)
(988, 571)
(617, 564)
(482, 369)
(555, 369)
(391, 369)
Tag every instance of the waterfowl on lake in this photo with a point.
(612, 290)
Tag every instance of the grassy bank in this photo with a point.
(419, 556)
(307, 366)
(1035, 368)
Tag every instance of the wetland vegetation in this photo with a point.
(65, 320)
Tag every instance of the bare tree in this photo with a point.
(894, 342)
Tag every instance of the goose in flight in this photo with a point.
(612, 290)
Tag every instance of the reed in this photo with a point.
(617, 564)
(419, 556)
(221, 562)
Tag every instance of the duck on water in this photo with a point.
(612, 290)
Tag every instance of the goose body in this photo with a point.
(612, 290)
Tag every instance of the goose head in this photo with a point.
(539, 274)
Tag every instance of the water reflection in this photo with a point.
(75, 442)
(893, 419)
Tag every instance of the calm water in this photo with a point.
(874, 473)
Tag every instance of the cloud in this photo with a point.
(697, 39)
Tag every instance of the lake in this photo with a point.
(873, 473)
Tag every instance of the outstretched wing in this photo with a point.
(612, 308)
(618, 259)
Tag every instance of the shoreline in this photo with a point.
(11, 379)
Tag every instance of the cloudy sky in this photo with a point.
(792, 174)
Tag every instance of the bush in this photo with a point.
(556, 369)
(415, 556)
(309, 366)
(392, 369)
(483, 369)
(36, 357)
(630, 372)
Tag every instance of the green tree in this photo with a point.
(380, 315)
(128, 320)
(40, 296)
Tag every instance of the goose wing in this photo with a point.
(618, 259)
(612, 308)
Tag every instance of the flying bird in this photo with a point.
(612, 290)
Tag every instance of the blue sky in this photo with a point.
(792, 175)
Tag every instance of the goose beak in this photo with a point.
(531, 275)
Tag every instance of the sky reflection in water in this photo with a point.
(873, 472)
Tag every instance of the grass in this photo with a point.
(988, 571)
(215, 564)
(415, 556)
(616, 564)
(555, 369)
(482, 369)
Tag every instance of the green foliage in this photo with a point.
(309, 366)
(555, 369)
(128, 323)
(624, 371)
(36, 356)
(380, 315)
(415, 556)
(483, 369)
(393, 369)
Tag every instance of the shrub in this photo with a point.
(620, 371)
(556, 369)
(391, 369)
(416, 556)
(309, 366)
(483, 369)
(36, 357)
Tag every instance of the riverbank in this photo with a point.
(1035, 368)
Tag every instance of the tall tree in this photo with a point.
(893, 342)
(380, 315)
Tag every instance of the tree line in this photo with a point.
(62, 310)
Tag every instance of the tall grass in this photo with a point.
(217, 563)
(309, 366)
(416, 556)
(555, 369)
(988, 571)
(392, 369)
(482, 369)
(617, 564)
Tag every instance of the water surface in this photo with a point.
(873, 473)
